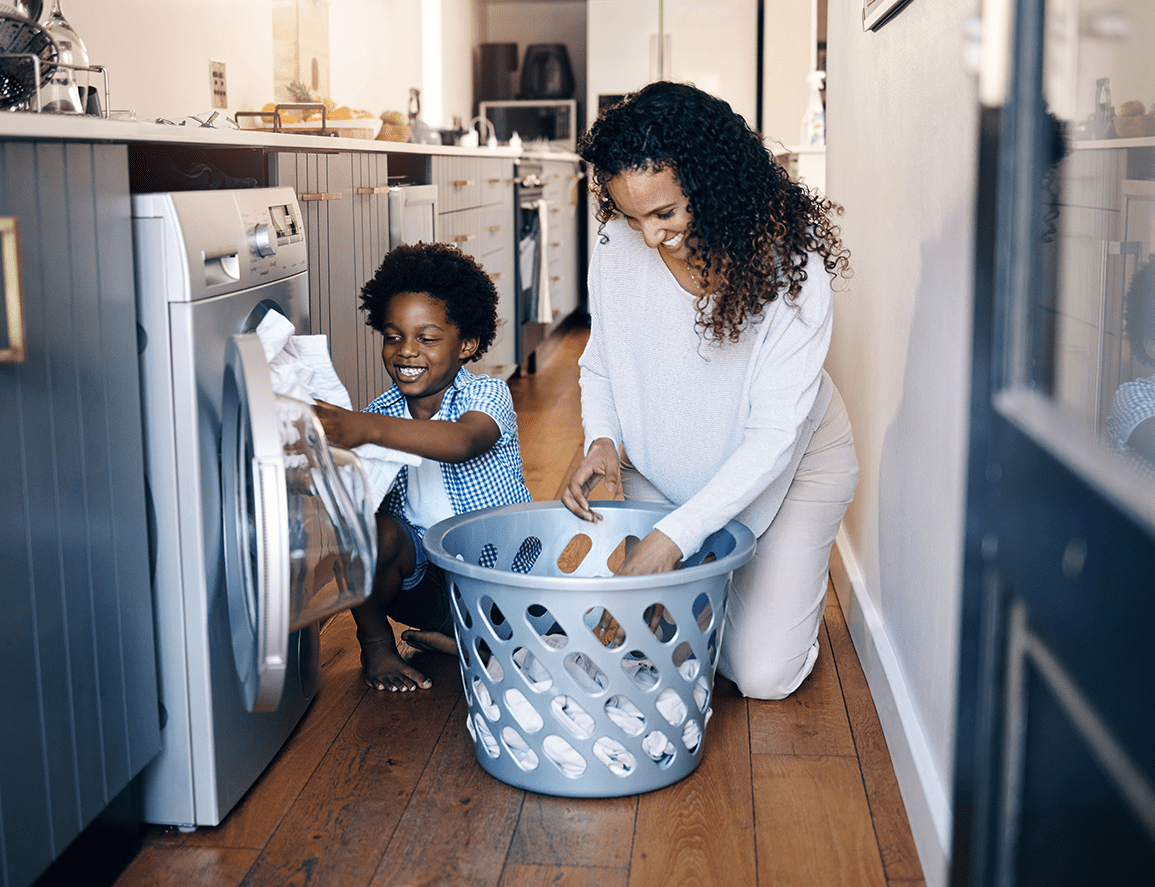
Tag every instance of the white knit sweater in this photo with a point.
(717, 428)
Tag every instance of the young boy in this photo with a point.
(436, 310)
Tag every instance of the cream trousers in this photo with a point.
(770, 642)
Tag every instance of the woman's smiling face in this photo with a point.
(653, 205)
(422, 350)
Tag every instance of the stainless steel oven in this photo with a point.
(532, 282)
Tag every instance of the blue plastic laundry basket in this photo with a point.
(551, 709)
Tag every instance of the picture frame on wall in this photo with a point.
(877, 12)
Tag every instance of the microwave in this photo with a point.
(553, 121)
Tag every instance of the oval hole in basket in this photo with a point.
(658, 746)
(712, 648)
(574, 553)
(572, 716)
(640, 669)
(615, 756)
(484, 700)
(489, 661)
(496, 619)
(588, 676)
(612, 635)
(564, 756)
(661, 622)
(487, 740)
(685, 661)
(626, 715)
(527, 555)
(702, 693)
(524, 756)
(548, 630)
(619, 554)
(691, 736)
(459, 606)
(488, 556)
(703, 611)
(525, 714)
(671, 706)
(531, 670)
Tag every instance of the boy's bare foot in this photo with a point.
(433, 641)
(384, 669)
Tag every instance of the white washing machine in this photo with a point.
(258, 528)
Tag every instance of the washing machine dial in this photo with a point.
(261, 240)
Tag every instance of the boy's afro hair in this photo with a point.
(445, 273)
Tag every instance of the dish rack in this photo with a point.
(28, 61)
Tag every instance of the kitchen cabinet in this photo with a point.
(344, 201)
(476, 214)
(634, 42)
(77, 645)
(561, 192)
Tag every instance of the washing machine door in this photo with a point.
(256, 525)
(300, 533)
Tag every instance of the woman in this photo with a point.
(702, 382)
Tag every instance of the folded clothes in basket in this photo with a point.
(300, 367)
(627, 716)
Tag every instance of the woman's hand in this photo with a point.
(655, 554)
(343, 428)
(601, 462)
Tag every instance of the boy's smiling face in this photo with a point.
(422, 350)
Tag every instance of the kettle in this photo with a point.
(546, 72)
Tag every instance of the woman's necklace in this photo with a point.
(693, 277)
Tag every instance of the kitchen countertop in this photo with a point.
(17, 125)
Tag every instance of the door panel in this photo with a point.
(1054, 764)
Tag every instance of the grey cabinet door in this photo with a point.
(345, 205)
(77, 648)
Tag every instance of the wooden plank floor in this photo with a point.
(377, 789)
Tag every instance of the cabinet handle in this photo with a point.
(496, 181)
(554, 279)
(375, 189)
(493, 229)
(462, 183)
(13, 300)
(554, 209)
(319, 195)
(556, 243)
(496, 275)
(501, 321)
(463, 238)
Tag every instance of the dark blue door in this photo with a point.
(1055, 754)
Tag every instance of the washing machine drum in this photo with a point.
(300, 534)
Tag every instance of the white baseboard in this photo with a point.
(925, 793)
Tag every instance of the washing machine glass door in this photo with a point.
(332, 528)
(300, 533)
(256, 525)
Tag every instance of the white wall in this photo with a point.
(158, 53)
(901, 158)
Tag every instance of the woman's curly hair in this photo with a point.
(1139, 306)
(448, 275)
(752, 227)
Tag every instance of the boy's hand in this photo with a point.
(343, 428)
(601, 462)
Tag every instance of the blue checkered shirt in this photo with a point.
(494, 477)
